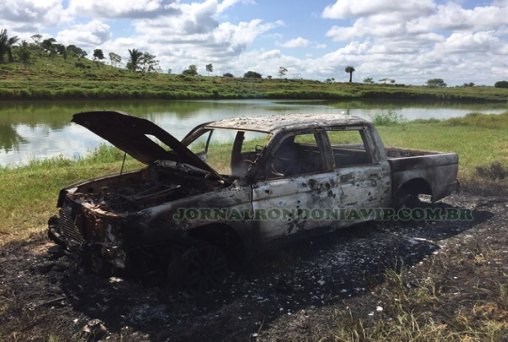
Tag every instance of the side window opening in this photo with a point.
(200, 145)
(229, 151)
(296, 155)
(247, 147)
(215, 147)
(349, 147)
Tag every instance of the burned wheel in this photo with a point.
(205, 267)
(407, 199)
(201, 267)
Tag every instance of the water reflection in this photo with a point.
(35, 130)
(9, 138)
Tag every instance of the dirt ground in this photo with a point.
(290, 294)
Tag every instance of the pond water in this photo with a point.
(37, 130)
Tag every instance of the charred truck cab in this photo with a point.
(173, 218)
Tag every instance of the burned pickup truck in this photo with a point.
(231, 187)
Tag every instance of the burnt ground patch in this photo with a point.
(44, 294)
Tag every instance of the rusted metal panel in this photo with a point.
(288, 121)
(438, 170)
(308, 192)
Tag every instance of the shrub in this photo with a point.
(252, 74)
(501, 84)
(494, 171)
(389, 118)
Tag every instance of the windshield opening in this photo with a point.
(230, 152)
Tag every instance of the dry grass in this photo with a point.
(460, 294)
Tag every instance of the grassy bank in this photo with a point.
(29, 192)
(56, 78)
(480, 140)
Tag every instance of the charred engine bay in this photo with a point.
(148, 187)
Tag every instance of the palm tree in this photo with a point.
(350, 70)
(135, 56)
(6, 44)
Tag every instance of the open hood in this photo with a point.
(131, 134)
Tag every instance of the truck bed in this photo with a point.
(437, 169)
(405, 159)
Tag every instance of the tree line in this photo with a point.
(138, 60)
(27, 52)
(143, 61)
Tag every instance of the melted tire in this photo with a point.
(199, 268)
(407, 200)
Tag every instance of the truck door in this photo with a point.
(363, 180)
(296, 178)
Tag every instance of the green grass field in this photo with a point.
(29, 192)
(478, 140)
(53, 77)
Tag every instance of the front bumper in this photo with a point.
(63, 231)
(105, 257)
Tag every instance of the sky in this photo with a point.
(408, 41)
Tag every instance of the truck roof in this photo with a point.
(273, 123)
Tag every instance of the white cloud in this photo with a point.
(193, 36)
(178, 33)
(242, 34)
(296, 43)
(365, 27)
(225, 4)
(453, 17)
(193, 18)
(145, 8)
(409, 40)
(213, 42)
(358, 8)
(466, 42)
(31, 14)
(269, 55)
(124, 8)
(89, 35)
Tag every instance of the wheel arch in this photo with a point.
(415, 186)
(223, 236)
(407, 193)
